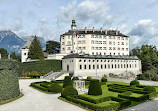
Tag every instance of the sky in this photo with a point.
(51, 18)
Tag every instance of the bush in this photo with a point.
(9, 82)
(94, 100)
(55, 88)
(106, 106)
(149, 89)
(69, 91)
(94, 87)
(103, 79)
(127, 93)
(67, 81)
(89, 78)
(75, 78)
(45, 66)
(134, 82)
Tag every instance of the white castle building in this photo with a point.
(93, 52)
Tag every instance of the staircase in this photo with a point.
(54, 75)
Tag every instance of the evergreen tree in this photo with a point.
(15, 56)
(52, 47)
(4, 53)
(35, 50)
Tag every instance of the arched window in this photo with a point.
(115, 66)
(101, 66)
(109, 66)
(80, 66)
(118, 66)
(112, 66)
(84, 66)
(97, 66)
(105, 66)
(93, 66)
(89, 66)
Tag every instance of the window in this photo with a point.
(110, 48)
(83, 42)
(96, 53)
(89, 66)
(63, 49)
(105, 66)
(113, 43)
(115, 66)
(118, 38)
(80, 66)
(92, 48)
(118, 66)
(114, 48)
(84, 66)
(110, 53)
(122, 49)
(68, 48)
(104, 37)
(63, 43)
(104, 48)
(93, 66)
(118, 48)
(126, 49)
(109, 66)
(110, 42)
(104, 42)
(104, 53)
(118, 43)
(79, 42)
(135, 65)
(92, 41)
(112, 66)
(80, 60)
(84, 60)
(101, 66)
(97, 66)
(24, 53)
(122, 43)
(92, 53)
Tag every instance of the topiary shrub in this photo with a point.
(89, 78)
(69, 91)
(134, 82)
(103, 79)
(75, 78)
(67, 81)
(55, 88)
(94, 87)
(149, 89)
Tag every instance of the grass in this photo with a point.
(11, 100)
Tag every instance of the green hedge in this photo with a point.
(94, 87)
(134, 82)
(92, 100)
(67, 81)
(9, 83)
(69, 91)
(35, 85)
(55, 88)
(40, 66)
(105, 106)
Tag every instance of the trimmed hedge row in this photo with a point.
(40, 66)
(98, 107)
(38, 87)
(123, 102)
(95, 101)
(124, 88)
(9, 82)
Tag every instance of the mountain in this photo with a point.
(10, 41)
(41, 39)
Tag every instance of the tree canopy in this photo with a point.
(4, 53)
(148, 55)
(52, 47)
(15, 56)
(35, 50)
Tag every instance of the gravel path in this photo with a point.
(147, 106)
(34, 100)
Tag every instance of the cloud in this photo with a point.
(43, 21)
(143, 32)
(17, 26)
(86, 12)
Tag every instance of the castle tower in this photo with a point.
(73, 25)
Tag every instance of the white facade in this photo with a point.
(94, 41)
(55, 56)
(25, 51)
(98, 66)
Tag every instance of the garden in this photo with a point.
(102, 95)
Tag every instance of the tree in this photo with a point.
(15, 56)
(35, 50)
(52, 47)
(4, 53)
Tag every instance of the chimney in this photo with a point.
(106, 32)
(85, 29)
(93, 29)
(117, 32)
(101, 30)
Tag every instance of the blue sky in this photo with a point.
(50, 18)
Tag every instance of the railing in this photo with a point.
(48, 74)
